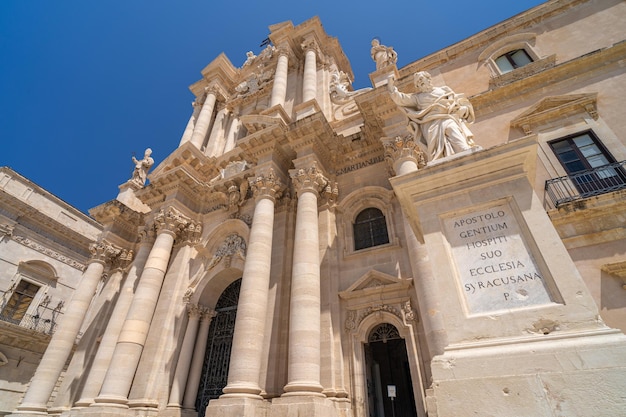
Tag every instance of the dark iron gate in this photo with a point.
(217, 356)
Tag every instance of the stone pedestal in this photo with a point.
(303, 406)
(524, 334)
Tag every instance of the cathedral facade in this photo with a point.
(447, 242)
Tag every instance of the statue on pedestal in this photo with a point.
(382, 55)
(142, 166)
(438, 117)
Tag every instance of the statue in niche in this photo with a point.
(438, 117)
(382, 55)
(142, 166)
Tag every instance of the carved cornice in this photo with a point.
(29, 243)
(556, 108)
(616, 269)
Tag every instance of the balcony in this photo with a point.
(38, 324)
(584, 184)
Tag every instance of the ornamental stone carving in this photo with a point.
(103, 251)
(402, 148)
(232, 245)
(309, 180)
(266, 186)
(122, 260)
(407, 310)
(171, 220)
(191, 234)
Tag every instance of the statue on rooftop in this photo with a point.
(142, 166)
(382, 55)
(438, 117)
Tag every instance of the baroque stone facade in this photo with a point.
(304, 251)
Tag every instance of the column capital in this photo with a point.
(194, 310)
(310, 44)
(309, 179)
(207, 314)
(103, 251)
(266, 186)
(190, 234)
(170, 220)
(402, 148)
(122, 260)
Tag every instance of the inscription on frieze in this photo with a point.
(497, 271)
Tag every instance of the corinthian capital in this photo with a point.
(103, 251)
(123, 259)
(308, 180)
(190, 234)
(171, 220)
(402, 148)
(266, 186)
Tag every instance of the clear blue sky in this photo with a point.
(84, 84)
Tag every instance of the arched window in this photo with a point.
(370, 229)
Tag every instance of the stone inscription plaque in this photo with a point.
(495, 267)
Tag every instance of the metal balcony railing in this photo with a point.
(584, 184)
(36, 323)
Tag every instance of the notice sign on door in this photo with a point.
(496, 269)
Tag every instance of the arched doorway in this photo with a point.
(217, 356)
(388, 374)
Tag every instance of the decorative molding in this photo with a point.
(232, 245)
(616, 269)
(48, 252)
(310, 179)
(556, 108)
(266, 186)
(403, 148)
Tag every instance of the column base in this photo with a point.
(303, 388)
(304, 406)
(237, 407)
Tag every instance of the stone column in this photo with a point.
(309, 85)
(279, 89)
(116, 386)
(304, 312)
(245, 358)
(191, 124)
(102, 360)
(233, 132)
(185, 356)
(204, 118)
(216, 139)
(405, 157)
(62, 342)
(195, 370)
